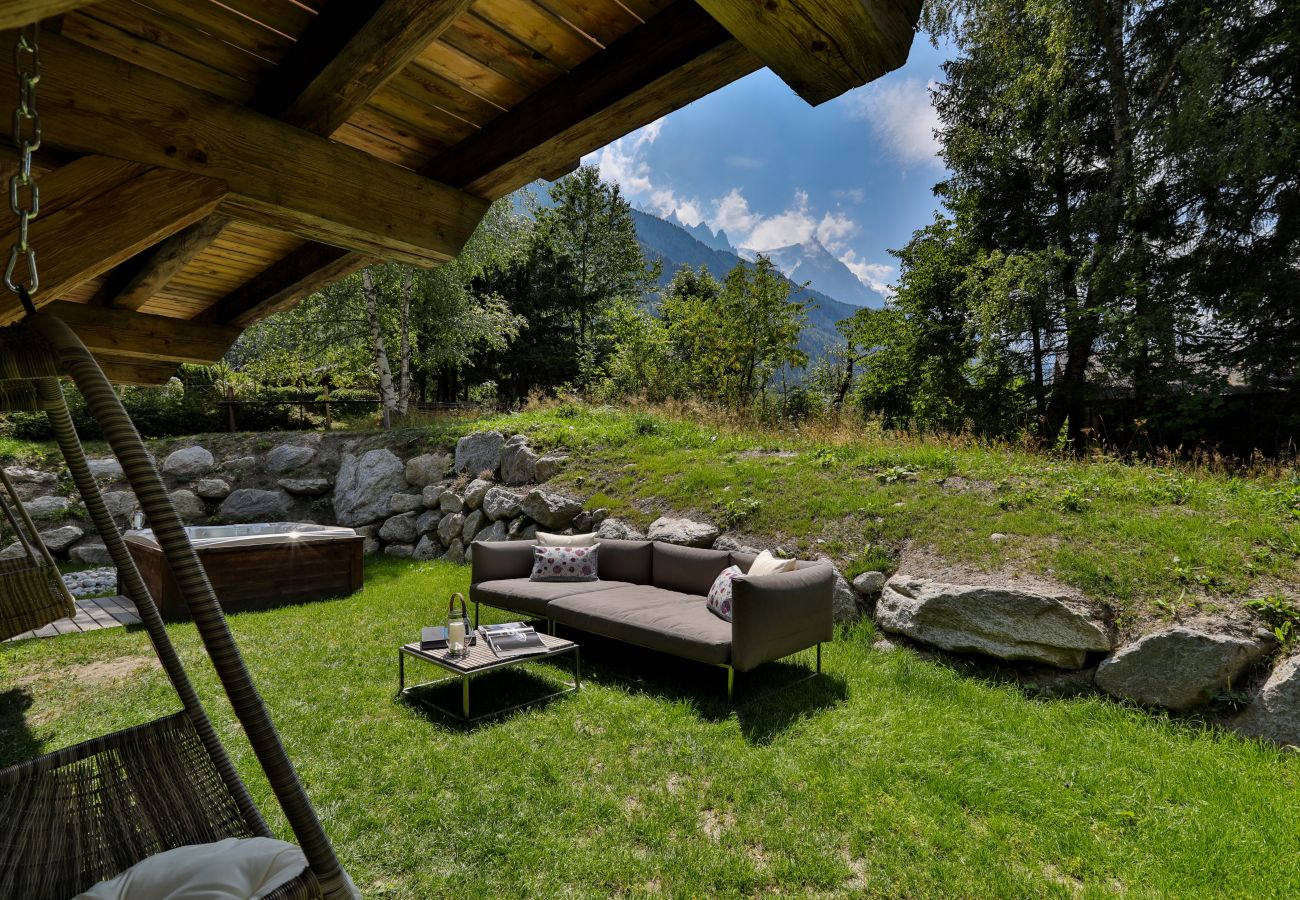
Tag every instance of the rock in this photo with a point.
(1001, 622)
(549, 466)
(598, 515)
(92, 582)
(404, 503)
(474, 523)
(727, 542)
(869, 585)
(997, 537)
(449, 528)
(521, 530)
(364, 484)
(212, 489)
(500, 504)
(91, 553)
(59, 540)
(188, 506)
(370, 546)
(455, 553)
(427, 521)
(844, 603)
(399, 529)
(552, 511)
(25, 475)
(478, 453)
(401, 551)
(430, 495)
(582, 523)
(105, 468)
(48, 507)
(682, 531)
(1274, 714)
(518, 462)
(424, 470)
(13, 551)
(288, 458)
(494, 532)
(121, 504)
(1179, 668)
(251, 505)
(306, 487)
(618, 530)
(190, 462)
(476, 491)
(427, 548)
(450, 502)
(240, 466)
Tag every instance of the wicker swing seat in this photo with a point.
(32, 593)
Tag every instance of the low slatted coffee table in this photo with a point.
(481, 659)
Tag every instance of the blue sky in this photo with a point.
(757, 161)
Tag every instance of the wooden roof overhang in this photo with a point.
(206, 164)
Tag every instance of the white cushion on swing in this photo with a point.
(232, 869)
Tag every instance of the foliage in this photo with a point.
(1281, 614)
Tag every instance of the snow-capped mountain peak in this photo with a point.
(811, 262)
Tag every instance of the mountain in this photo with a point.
(811, 262)
(675, 246)
(703, 233)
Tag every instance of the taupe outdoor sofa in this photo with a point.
(652, 595)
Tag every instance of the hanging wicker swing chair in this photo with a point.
(88, 812)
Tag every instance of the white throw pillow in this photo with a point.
(566, 540)
(232, 869)
(767, 564)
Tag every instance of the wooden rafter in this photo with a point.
(279, 176)
(17, 13)
(99, 212)
(122, 334)
(132, 284)
(286, 282)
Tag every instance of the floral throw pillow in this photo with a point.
(564, 563)
(719, 602)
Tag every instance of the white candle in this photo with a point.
(456, 636)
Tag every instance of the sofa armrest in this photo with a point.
(498, 560)
(775, 615)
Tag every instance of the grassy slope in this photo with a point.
(891, 777)
(1147, 539)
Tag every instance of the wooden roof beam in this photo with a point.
(348, 53)
(679, 55)
(17, 13)
(122, 334)
(279, 176)
(822, 48)
(97, 212)
(284, 283)
(138, 372)
(132, 284)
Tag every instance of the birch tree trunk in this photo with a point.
(404, 367)
(386, 394)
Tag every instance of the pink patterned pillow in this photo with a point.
(564, 563)
(719, 602)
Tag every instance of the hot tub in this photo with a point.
(257, 566)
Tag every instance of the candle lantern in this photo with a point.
(457, 626)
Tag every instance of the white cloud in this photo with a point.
(731, 213)
(624, 162)
(876, 276)
(738, 161)
(853, 195)
(794, 225)
(902, 115)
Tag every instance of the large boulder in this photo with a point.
(306, 487)
(26, 475)
(727, 542)
(120, 504)
(59, 540)
(427, 521)
(494, 532)
(551, 511)
(212, 489)
(1179, 668)
(188, 505)
(105, 467)
(844, 602)
(474, 523)
(364, 484)
(404, 503)
(518, 462)
(479, 453)
(427, 548)
(450, 502)
(401, 551)
(475, 491)
(400, 529)
(187, 463)
(1002, 622)
(450, 527)
(287, 458)
(43, 508)
(686, 532)
(618, 530)
(549, 466)
(455, 553)
(424, 470)
(521, 529)
(252, 505)
(499, 504)
(430, 495)
(1274, 714)
(869, 585)
(91, 553)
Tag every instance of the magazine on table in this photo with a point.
(513, 639)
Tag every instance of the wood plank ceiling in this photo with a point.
(221, 160)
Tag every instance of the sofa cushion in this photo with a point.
(719, 599)
(767, 564)
(688, 570)
(648, 616)
(546, 539)
(532, 597)
(625, 561)
(564, 563)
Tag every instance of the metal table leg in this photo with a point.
(464, 696)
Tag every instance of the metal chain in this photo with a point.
(24, 193)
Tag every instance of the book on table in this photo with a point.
(513, 639)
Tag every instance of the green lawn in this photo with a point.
(891, 776)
